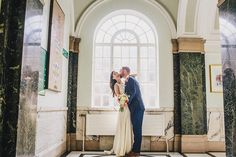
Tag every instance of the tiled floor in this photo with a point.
(217, 154)
(101, 154)
(197, 155)
(157, 154)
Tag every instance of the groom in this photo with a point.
(136, 108)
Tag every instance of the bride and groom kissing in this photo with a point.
(128, 136)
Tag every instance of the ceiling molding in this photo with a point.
(154, 3)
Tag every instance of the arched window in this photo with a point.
(125, 39)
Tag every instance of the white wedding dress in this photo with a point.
(124, 136)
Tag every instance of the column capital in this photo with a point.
(74, 44)
(220, 2)
(188, 45)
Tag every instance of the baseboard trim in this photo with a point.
(54, 151)
(216, 146)
(194, 143)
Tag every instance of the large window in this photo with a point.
(125, 40)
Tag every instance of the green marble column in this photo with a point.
(12, 19)
(228, 54)
(30, 75)
(72, 92)
(20, 26)
(192, 95)
(189, 94)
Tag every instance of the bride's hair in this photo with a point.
(112, 84)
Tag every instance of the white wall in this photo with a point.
(170, 6)
(208, 28)
(52, 108)
(86, 48)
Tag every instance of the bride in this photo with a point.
(123, 138)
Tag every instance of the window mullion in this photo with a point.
(112, 58)
(138, 61)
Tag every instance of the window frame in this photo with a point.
(138, 45)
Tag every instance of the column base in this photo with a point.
(194, 143)
(177, 143)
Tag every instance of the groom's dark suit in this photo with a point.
(136, 108)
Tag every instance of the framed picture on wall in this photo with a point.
(216, 83)
(55, 46)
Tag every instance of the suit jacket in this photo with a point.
(135, 98)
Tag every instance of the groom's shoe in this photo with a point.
(133, 154)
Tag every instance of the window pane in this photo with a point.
(107, 38)
(98, 75)
(98, 63)
(100, 36)
(125, 62)
(107, 51)
(143, 64)
(143, 52)
(130, 25)
(106, 76)
(117, 41)
(117, 51)
(132, 19)
(119, 18)
(97, 100)
(143, 76)
(151, 77)
(97, 88)
(134, 40)
(98, 51)
(112, 30)
(125, 52)
(151, 38)
(151, 52)
(105, 100)
(107, 64)
(116, 63)
(143, 38)
(133, 52)
(144, 26)
(120, 25)
(152, 65)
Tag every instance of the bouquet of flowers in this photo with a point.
(123, 101)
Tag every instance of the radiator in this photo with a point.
(105, 124)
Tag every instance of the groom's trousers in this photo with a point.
(137, 121)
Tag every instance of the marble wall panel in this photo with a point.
(193, 106)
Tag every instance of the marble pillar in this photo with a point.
(228, 47)
(72, 91)
(177, 105)
(193, 107)
(20, 27)
(189, 95)
(12, 19)
(30, 75)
